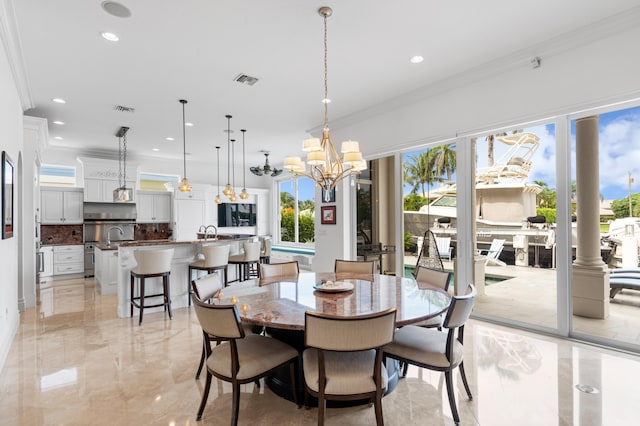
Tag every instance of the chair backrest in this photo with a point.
(215, 255)
(496, 248)
(286, 269)
(206, 287)
(460, 309)
(252, 251)
(433, 277)
(444, 246)
(354, 266)
(336, 333)
(267, 248)
(153, 261)
(220, 321)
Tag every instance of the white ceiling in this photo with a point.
(193, 49)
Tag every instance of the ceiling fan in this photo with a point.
(266, 169)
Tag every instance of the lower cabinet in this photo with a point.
(68, 260)
(106, 272)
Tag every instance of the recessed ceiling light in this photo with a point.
(109, 36)
(59, 123)
(155, 149)
(59, 138)
(416, 59)
(116, 9)
(59, 100)
(170, 139)
(326, 101)
(188, 124)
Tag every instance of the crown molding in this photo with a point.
(13, 49)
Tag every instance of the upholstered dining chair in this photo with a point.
(284, 269)
(265, 250)
(354, 266)
(434, 350)
(434, 278)
(343, 359)
(151, 264)
(239, 358)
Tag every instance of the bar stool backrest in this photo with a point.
(252, 251)
(217, 255)
(153, 261)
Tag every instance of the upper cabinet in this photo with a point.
(61, 205)
(101, 190)
(153, 206)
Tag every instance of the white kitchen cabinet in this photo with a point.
(61, 205)
(101, 190)
(153, 207)
(106, 273)
(68, 259)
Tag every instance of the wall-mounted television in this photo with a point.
(237, 214)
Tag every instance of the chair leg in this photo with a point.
(448, 375)
(167, 294)
(202, 358)
(293, 367)
(189, 290)
(205, 395)
(235, 410)
(132, 294)
(405, 367)
(141, 300)
(464, 381)
(322, 406)
(378, 409)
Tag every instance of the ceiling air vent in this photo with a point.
(243, 78)
(122, 108)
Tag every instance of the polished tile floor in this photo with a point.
(73, 362)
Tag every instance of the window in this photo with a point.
(158, 182)
(297, 211)
(54, 175)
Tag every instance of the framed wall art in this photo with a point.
(8, 189)
(328, 215)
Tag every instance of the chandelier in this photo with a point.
(325, 166)
(185, 186)
(122, 194)
(266, 170)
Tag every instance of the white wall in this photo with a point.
(11, 135)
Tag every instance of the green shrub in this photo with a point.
(549, 214)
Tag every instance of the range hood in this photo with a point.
(113, 212)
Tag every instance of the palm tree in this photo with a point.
(419, 170)
(445, 160)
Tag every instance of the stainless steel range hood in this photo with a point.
(111, 212)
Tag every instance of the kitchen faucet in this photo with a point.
(210, 226)
(109, 234)
(202, 229)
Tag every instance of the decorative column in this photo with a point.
(590, 287)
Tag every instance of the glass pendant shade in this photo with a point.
(185, 186)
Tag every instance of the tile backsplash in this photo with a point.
(151, 231)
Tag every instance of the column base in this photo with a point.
(590, 291)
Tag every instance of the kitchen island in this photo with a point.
(185, 252)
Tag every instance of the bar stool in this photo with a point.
(265, 253)
(151, 264)
(248, 262)
(216, 258)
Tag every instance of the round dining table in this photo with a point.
(280, 303)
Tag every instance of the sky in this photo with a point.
(619, 144)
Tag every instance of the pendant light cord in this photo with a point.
(326, 86)
(218, 155)
(228, 149)
(244, 174)
(184, 140)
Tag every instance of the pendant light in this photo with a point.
(232, 197)
(228, 189)
(185, 186)
(243, 195)
(218, 199)
(122, 194)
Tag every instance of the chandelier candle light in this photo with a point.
(122, 194)
(185, 186)
(325, 167)
(243, 194)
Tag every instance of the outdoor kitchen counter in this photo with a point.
(185, 252)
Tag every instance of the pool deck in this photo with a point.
(529, 295)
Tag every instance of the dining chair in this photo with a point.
(354, 266)
(239, 358)
(151, 264)
(265, 250)
(343, 359)
(433, 278)
(216, 258)
(284, 269)
(434, 350)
